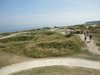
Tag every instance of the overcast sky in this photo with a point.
(48, 12)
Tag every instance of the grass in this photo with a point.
(53, 47)
(9, 58)
(42, 44)
(7, 33)
(87, 55)
(59, 70)
(17, 38)
(96, 34)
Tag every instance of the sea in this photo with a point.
(19, 28)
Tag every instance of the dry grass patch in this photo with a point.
(59, 70)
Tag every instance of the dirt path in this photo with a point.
(13, 35)
(76, 62)
(91, 46)
(49, 62)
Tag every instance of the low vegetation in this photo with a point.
(42, 44)
(59, 70)
(96, 34)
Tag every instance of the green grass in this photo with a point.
(7, 33)
(17, 38)
(42, 44)
(87, 55)
(54, 47)
(96, 34)
(9, 58)
(59, 70)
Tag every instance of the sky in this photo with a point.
(37, 13)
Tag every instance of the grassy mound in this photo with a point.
(42, 44)
(96, 34)
(59, 70)
(54, 48)
(17, 38)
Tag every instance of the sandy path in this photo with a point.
(91, 46)
(49, 62)
(13, 35)
(55, 61)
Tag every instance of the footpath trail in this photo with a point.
(91, 46)
(73, 62)
(13, 35)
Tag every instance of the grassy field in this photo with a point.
(96, 34)
(6, 34)
(9, 58)
(42, 44)
(59, 70)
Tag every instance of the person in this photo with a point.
(87, 32)
(90, 37)
(84, 37)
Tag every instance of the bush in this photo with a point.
(41, 45)
(2, 45)
(48, 33)
(68, 34)
(52, 49)
(46, 52)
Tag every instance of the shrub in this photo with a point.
(41, 45)
(2, 45)
(48, 33)
(68, 34)
(52, 49)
